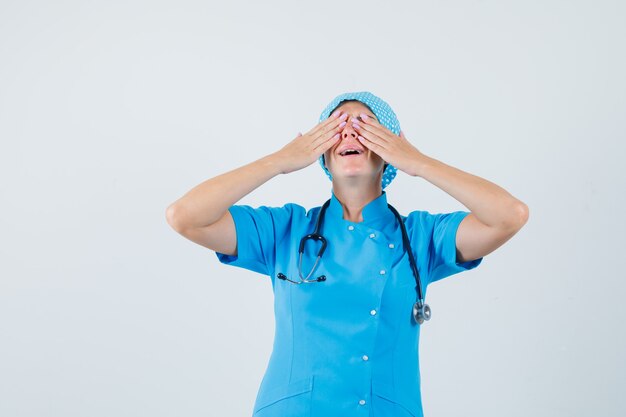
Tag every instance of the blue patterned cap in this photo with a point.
(383, 112)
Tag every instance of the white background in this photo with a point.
(110, 111)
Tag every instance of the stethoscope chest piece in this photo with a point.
(421, 312)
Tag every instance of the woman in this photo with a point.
(346, 340)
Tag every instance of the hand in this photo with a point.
(306, 149)
(394, 149)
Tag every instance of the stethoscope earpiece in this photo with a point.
(284, 278)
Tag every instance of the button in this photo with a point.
(382, 272)
(362, 402)
(373, 312)
(350, 227)
(365, 357)
(391, 245)
(372, 235)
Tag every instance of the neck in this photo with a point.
(353, 199)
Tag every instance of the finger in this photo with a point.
(373, 136)
(330, 131)
(323, 146)
(332, 119)
(375, 126)
(372, 126)
(333, 127)
(370, 121)
(329, 136)
(329, 123)
(371, 145)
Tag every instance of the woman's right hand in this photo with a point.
(306, 149)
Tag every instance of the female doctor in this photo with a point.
(348, 301)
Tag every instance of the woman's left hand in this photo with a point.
(394, 149)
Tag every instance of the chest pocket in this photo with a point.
(293, 399)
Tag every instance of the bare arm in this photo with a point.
(202, 215)
(207, 202)
(495, 214)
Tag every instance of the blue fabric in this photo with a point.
(383, 112)
(324, 329)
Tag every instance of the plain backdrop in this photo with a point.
(112, 110)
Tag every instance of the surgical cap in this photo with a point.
(381, 110)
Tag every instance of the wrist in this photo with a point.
(273, 162)
(420, 163)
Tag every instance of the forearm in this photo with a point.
(207, 202)
(491, 204)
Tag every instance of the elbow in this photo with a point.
(173, 217)
(521, 215)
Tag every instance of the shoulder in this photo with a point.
(426, 221)
(287, 214)
(285, 209)
(419, 218)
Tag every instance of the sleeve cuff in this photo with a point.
(449, 246)
(242, 222)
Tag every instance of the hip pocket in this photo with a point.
(391, 403)
(289, 400)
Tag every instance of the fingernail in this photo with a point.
(344, 116)
(342, 124)
(365, 116)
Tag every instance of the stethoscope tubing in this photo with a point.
(421, 311)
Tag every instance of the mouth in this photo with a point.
(350, 153)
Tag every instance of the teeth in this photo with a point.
(344, 152)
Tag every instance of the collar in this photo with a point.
(373, 211)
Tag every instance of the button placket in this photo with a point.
(382, 273)
(365, 358)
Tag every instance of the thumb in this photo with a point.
(299, 134)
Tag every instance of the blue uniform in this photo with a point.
(347, 346)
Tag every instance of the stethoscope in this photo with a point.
(421, 310)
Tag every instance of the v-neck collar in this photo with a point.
(374, 211)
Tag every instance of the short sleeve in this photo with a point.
(259, 230)
(442, 259)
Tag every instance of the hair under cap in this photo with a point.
(381, 110)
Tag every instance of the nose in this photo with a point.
(348, 131)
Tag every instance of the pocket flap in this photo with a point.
(270, 396)
(387, 392)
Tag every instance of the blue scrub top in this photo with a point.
(347, 346)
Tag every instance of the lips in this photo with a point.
(351, 155)
(350, 151)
